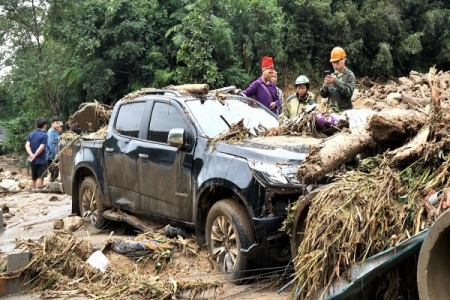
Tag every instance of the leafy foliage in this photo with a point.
(63, 53)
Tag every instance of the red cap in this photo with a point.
(267, 63)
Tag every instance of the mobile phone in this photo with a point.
(326, 73)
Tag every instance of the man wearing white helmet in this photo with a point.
(296, 103)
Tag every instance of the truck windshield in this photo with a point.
(213, 115)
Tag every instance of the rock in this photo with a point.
(356, 95)
(8, 184)
(1, 169)
(54, 198)
(23, 183)
(364, 102)
(391, 82)
(7, 216)
(72, 223)
(58, 224)
(87, 115)
(13, 173)
(393, 96)
(5, 209)
(7, 174)
(405, 81)
(55, 187)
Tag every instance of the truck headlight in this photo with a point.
(274, 173)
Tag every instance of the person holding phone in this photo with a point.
(338, 86)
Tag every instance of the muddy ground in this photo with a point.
(31, 215)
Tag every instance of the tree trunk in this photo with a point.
(415, 148)
(391, 128)
(411, 150)
(333, 152)
(340, 148)
(198, 89)
(421, 102)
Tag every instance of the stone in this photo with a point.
(391, 82)
(72, 223)
(393, 96)
(8, 184)
(356, 95)
(18, 259)
(7, 216)
(405, 81)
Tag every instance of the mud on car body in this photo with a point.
(161, 161)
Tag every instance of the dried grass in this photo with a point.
(370, 210)
(58, 269)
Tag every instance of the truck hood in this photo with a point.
(274, 149)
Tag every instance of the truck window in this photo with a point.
(129, 119)
(164, 118)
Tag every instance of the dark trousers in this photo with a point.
(53, 170)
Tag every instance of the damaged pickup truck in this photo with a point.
(162, 160)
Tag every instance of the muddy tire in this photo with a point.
(91, 202)
(228, 229)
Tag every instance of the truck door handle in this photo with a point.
(109, 150)
(143, 156)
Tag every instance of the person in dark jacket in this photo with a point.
(338, 87)
(262, 89)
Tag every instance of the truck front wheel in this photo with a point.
(91, 204)
(228, 230)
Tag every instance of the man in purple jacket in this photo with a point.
(262, 89)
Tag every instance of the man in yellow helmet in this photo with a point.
(338, 87)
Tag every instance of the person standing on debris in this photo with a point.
(52, 147)
(296, 103)
(35, 146)
(279, 93)
(262, 89)
(338, 87)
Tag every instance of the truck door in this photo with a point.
(164, 171)
(121, 156)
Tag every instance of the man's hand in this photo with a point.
(330, 79)
(31, 158)
(273, 105)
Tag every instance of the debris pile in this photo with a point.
(59, 268)
(405, 92)
(384, 201)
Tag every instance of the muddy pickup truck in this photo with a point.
(162, 161)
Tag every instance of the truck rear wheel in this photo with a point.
(228, 229)
(91, 202)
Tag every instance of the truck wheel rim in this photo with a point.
(224, 244)
(89, 206)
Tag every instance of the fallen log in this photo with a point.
(413, 101)
(333, 152)
(411, 150)
(198, 89)
(417, 145)
(342, 147)
(389, 131)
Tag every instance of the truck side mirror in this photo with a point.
(177, 137)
